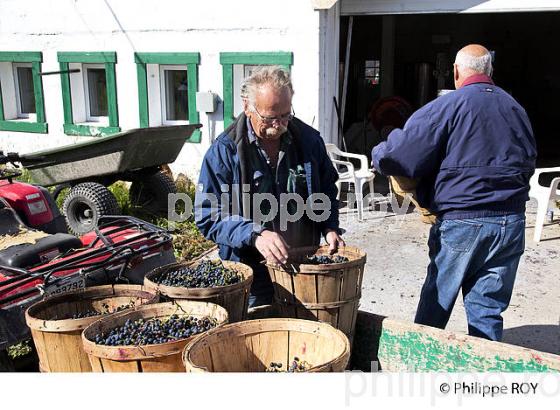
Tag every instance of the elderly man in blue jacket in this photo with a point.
(474, 152)
(267, 184)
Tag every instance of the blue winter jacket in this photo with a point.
(472, 149)
(232, 230)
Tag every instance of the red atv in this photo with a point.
(34, 264)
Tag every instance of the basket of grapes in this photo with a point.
(150, 338)
(269, 345)
(315, 285)
(225, 283)
(57, 323)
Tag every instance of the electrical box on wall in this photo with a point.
(206, 101)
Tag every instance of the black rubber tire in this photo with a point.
(149, 194)
(85, 204)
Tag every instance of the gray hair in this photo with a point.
(275, 76)
(479, 65)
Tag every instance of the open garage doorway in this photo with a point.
(411, 56)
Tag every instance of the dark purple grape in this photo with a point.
(154, 331)
(325, 259)
(207, 274)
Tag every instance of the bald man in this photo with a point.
(473, 150)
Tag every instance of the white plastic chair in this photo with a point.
(351, 175)
(544, 196)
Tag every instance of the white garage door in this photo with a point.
(364, 7)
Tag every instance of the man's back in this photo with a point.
(490, 151)
(473, 150)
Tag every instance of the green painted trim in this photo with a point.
(38, 126)
(143, 111)
(227, 73)
(195, 137)
(38, 92)
(89, 130)
(87, 57)
(112, 95)
(167, 58)
(21, 56)
(66, 94)
(73, 129)
(1, 105)
(191, 61)
(416, 351)
(22, 126)
(283, 58)
(194, 118)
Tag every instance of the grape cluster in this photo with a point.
(207, 274)
(296, 366)
(87, 313)
(325, 259)
(155, 331)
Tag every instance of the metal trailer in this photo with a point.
(88, 168)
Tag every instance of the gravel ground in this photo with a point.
(397, 256)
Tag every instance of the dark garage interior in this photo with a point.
(525, 65)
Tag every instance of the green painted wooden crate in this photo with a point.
(389, 345)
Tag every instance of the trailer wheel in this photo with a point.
(85, 203)
(150, 193)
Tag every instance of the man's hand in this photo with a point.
(334, 240)
(272, 246)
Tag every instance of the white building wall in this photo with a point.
(208, 27)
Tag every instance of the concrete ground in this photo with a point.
(397, 256)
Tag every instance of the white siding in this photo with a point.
(208, 27)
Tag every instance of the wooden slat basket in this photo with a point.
(164, 357)
(328, 293)
(252, 345)
(234, 298)
(57, 336)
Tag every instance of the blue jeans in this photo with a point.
(479, 256)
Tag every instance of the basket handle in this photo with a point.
(324, 305)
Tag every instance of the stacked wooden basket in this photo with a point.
(66, 328)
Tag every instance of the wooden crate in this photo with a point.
(164, 357)
(57, 337)
(328, 293)
(252, 345)
(389, 345)
(234, 298)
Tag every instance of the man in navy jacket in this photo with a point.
(474, 152)
(267, 153)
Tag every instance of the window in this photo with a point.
(236, 67)
(175, 95)
(240, 73)
(21, 96)
(89, 93)
(95, 86)
(372, 70)
(167, 86)
(25, 96)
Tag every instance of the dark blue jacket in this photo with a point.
(472, 149)
(222, 165)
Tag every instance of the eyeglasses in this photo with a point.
(280, 118)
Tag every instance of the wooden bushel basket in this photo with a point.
(234, 298)
(328, 293)
(163, 357)
(58, 341)
(252, 345)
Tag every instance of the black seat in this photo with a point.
(27, 255)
